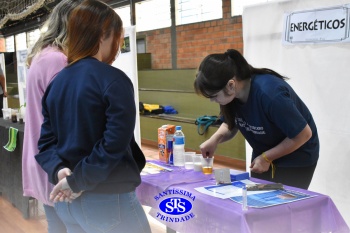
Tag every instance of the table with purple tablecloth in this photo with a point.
(209, 214)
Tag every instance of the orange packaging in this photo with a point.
(164, 134)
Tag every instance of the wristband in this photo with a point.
(270, 162)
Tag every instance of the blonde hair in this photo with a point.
(56, 25)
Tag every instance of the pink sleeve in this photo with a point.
(54, 63)
(42, 71)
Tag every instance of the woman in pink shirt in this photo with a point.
(45, 60)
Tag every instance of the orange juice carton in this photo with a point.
(165, 134)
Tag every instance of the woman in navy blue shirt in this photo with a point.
(269, 114)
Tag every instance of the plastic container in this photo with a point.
(179, 147)
(189, 159)
(6, 113)
(197, 162)
(14, 115)
(207, 165)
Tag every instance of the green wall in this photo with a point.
(175, 88)
(234, 148)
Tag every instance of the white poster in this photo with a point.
(22, 75)
(330, 25)
(3, 67)
(127, 62)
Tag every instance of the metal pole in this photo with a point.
(132, 13)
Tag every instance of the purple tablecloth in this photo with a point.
(208, 214)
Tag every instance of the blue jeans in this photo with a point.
(101, 213)
(54, 223)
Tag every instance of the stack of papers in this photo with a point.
(256, 199)
(271, 198)
(225, 191)
(153, 168)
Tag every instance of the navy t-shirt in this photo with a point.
(273, 112)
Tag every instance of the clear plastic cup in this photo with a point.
(6, 113)
(188, 156)
(197, 162)
(207, 165)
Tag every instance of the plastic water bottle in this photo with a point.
(179, 147)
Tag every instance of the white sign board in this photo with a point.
(3, 67)
(127, 62)
(327, 25)
(22, 75)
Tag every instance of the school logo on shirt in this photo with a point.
(244, 125)
(175, 205)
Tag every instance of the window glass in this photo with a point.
(152, 14)
(10, 44)
(124, 14)
(238, 5)
(191, 11)
(141, 45)
(21, 41)
(32, 37)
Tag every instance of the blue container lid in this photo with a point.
(178, 127)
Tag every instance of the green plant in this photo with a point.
(23, 105)
(19, 110)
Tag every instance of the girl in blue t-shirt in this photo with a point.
(269, 114)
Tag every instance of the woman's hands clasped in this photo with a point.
(62, 191)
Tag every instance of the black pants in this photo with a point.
(1, 104)
(299, 177)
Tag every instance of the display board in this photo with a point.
(22, 75)
(127, 62)
(3, 67)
